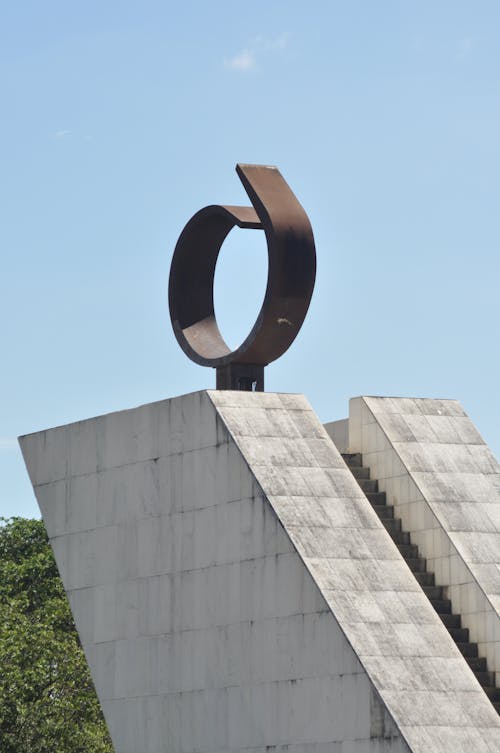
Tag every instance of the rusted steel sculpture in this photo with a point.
(290, 280)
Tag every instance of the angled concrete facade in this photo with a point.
(444, 483)
(235, 591)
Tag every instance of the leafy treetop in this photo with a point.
(47, 700)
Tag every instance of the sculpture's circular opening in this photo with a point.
(290, 278)
(240, 284)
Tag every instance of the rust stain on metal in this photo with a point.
(290, 281)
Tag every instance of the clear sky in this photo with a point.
(121, 119)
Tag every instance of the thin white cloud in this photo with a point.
(243, 61)
(62, 134)
(278, 43)
(8, 444)
(246, 60)
(465, 47)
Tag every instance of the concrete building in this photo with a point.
(240, 585)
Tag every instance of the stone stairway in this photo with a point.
(417, 565)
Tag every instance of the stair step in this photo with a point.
(436, 592)
(476, 663)
(393, 525)
(360, 472)
(468, 649)
(353, 459)
(384, 511)
(451, 620)
(459, 635)
(400, 537)
(416, 565)
(486, 679)
(409, 551)
(368, 485)
(443, 606)
(492, 693)
(377, 498)
(424, 578)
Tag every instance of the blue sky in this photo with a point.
(121, 119)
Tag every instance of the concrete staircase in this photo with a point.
(417, 565)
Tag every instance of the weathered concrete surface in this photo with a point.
(338, 431)
(444, 483)
(235, 591)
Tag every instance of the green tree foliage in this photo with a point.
(47, 700)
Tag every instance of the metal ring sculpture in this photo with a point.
(290, 280)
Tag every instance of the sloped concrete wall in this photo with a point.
(444, 483)
(203, 629)
(234, 590)
(400, 640)
(338, 431)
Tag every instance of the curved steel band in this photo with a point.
(290, 281)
